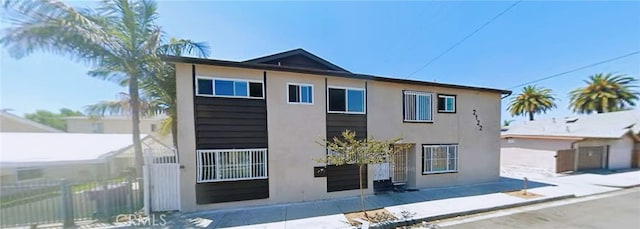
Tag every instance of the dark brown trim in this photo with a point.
(229, 191)
(195, 120)
(298, 51)
(425, 122)
(225, 63)
(438, 173)
(455, 104)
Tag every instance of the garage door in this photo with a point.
(591, 157)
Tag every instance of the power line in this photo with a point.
(577, 69)
(464, 39)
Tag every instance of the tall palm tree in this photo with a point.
(119, 39)
(604, 93)
(159, 89)
(532, 100)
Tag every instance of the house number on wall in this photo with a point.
(477, 120)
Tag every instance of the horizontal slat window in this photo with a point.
(417, 106)
(231, 165)
(439, 158)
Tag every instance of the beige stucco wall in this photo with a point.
(531, 153)
(620, 150)
(294, 128)
(110, 125)
(478, 151)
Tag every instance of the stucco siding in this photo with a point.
(295, 129)
(531, 153)
(478, 150)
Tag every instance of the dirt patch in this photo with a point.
(523, 194)
(375, 216)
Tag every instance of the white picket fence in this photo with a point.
(162, 189)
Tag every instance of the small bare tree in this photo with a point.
(349, 150)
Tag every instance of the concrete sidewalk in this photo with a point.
(425, 204)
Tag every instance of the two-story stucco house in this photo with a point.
(248, 131)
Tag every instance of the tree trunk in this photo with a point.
(135, 122)
(174, 127)
(364, 209)
(530, 116)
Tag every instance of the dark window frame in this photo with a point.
(455, 103)
(457, 159)
(298, 95)
(346, 100)
(252, 90)
(404, 114)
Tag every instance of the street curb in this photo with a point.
(401, 223)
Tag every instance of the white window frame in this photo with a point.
(213, 89)
(346, 100)
(217, 164)
(428, 169)
(404, 107)
(300, 85)
(445, 103)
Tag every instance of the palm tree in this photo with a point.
(604, 93)
(119, 39)
(532, 100)
(159, 90)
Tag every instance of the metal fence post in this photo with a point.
(67, 204)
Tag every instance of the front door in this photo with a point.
(398, 165)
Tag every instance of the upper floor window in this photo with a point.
(300, 93)
(447, 103)
(417, 106)
(346, 100)
(229, 88)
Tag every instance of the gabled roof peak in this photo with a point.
(297, 58)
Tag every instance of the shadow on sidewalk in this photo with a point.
(602, 171)
(294, 211)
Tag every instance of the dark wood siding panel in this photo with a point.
(337, 123)
(298, 61)
(227, 191)
(345, 177)
(230, 123)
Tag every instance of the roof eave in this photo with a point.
(226, 63)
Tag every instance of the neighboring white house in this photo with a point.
(13, 123)
(111, 124)
(596, 141)
(117, 125)
(73, 156)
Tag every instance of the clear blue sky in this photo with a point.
(533, 40)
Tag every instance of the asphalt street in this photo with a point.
(621, 211)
